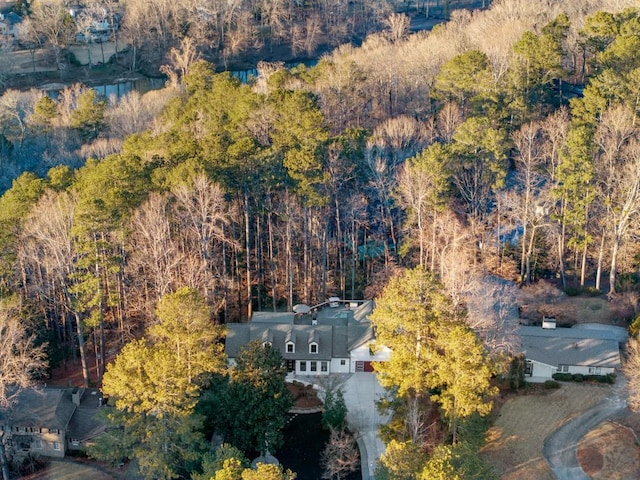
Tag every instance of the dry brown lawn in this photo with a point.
(610, 452)
(68, 470)
(514, 442)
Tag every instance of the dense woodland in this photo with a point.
(502, 143)
(232, 34)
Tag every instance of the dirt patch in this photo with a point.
(514, 442)
(610, 452)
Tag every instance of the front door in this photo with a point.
(291, 365)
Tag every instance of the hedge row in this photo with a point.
(578, 377)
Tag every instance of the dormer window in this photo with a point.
(313, 341)
(267, 338)
(290, 341)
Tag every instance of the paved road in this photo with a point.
(560, 447)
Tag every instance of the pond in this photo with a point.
(119, 89)
(304, 442)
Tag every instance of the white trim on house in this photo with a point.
(340, 341)
(569, 350)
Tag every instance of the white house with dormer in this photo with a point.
(332, 340)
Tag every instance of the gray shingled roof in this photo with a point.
(48, 408)
(85, 424)
(333, 341)
(338, 331)
(564, 346)
(239, 334)
(273, 317)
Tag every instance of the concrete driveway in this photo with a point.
(560, 448)
(361, 392)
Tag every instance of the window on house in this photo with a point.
(595, 370)
(563, 368)
(323, 366)
(303, 366)
(343, 362)
(313, 348)
(37, 443)
(56, 445)
(290, 347)
(266, 344)
(314, 366)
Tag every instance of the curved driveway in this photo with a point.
(560, 447)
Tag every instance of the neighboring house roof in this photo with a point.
(566, 346)
(47, 408)
(85, 424)
(54, 408)
(10, 18)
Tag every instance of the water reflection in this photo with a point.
(141, 85)
(145, 84)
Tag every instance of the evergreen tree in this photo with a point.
(253, 407)
(88, 117)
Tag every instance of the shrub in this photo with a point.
(609, 378)
(515, 374)
(592, 291)
(572, 291)
(627, 282)
(634, 327)
(551, 384)
(335, 410)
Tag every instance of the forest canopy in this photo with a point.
(503, 143)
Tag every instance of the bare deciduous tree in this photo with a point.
(492, 312)
(398, 25)
(52, 20)
(202, 214)
(180, 60)
(340, 456)
(154, 254)
(21, 360)
(618, 164)
(15, 109)
(48, 253)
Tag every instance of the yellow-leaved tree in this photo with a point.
(155, 383)
(434, 353)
